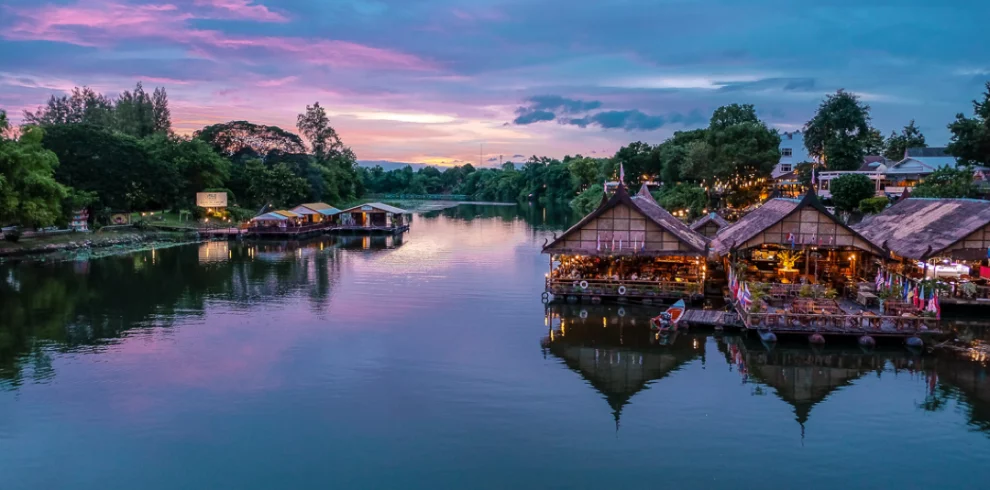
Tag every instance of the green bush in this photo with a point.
(850, 189)
(588, 200)
(873, 205)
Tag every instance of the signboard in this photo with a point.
(211, 199)
(120, 218)
(367, 208)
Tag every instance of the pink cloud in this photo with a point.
(108, 24)
(277, 82)
(242, 9)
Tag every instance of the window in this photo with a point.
(786, 167)
(786, 152)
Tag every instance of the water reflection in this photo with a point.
(83, 305)
(613, 349)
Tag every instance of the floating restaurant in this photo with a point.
(313, 218)
(794, 268)
(627, 248)
(374, 217)
(945, 242)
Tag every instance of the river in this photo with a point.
(428, 362)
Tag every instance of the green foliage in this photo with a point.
(874, 144)
(83, 106)
(873, 205)
(193, 164)
(850, 189)
(29, 194)
(971, 136)
(588, 200)
(947, 183)
(840, 132)
(278, 186)
(897, 144)
(680, 197)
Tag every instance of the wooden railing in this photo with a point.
(631, 289)
(793, 290)
(840, 323)
(288, 230)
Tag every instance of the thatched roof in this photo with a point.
(643, 202)
(918, 228)
(767, 215)
(710, 217)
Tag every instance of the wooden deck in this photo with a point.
(853, 320)
(368, 229)
(711, 318)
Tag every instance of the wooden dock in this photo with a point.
(711, 318)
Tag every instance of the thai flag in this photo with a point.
(938, 308)
(790, 238)
(747, 298)
(879, 279)
(598, 238)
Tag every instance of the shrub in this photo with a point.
(873, 205)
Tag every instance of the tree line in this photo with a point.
(840, 136)
(120, 154)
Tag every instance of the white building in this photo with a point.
(792, 152)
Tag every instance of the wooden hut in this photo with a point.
(316, 212)
(709, 224)
(629, 247)
(943, 239)
(789, 241)
(374, 216)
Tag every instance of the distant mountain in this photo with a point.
(390, 165)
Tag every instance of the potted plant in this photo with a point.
(831, 293)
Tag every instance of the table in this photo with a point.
(867, 299)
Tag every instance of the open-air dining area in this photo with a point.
(630, 276)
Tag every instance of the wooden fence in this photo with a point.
(628, 289)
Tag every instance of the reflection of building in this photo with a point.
(972, 380)
(628, 247)
(804, 378)
(612, 349)
(214, 251)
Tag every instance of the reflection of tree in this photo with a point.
(613, 349)
(65, 306)
(967, 382)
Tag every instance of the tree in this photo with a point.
(585, 172)
(161, 114)
(29, 194)
(235, 138)
(135, 113)
(682, 197)
(971, 136)
(315, 126)
(196, 166)
(636, 159)
(897, 144)
(850, 189)
(840, 131)
(732, 114)
(83, 106)
(947, 182)
(277, 185)
(875, 144)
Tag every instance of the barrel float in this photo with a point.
(867, 341)
(816, 338)
(915, 342)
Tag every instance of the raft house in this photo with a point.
(796, 269)
(629, 248)
(374, 217)
(939, 245)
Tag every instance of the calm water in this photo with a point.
(429, 364)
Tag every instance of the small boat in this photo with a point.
(669, 319)
(816, 339)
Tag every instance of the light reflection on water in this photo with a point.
(354, 363)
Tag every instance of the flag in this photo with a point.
(598, 239)
(938, 308)
(906, 291)
(622, 174)
(620, 244)
(879, 280)
(814, 181)
(747, 299)
(790, 237)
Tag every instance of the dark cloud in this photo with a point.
(493, 159)
(531, 117)
(560, 105)
(518, 156)
(634, 120)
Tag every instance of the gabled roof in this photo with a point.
(710, 217)
(918, 228)
(316, 208)
(767, 215)
(379, 206)
(280, 215)
(643, 202)
(927, 152)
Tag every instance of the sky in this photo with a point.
(463, 81)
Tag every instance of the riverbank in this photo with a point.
(80, 246)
